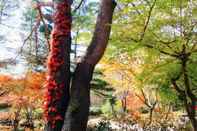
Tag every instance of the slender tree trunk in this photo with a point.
(151, 116)
(189, 104)
(78, 111)
(58, 79)
(191, 114)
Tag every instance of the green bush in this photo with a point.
(95, 111)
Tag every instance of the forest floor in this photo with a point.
(95, 122)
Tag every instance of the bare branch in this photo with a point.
(81, 2)
(28, 38)
(46, 30)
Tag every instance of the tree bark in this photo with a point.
(58, 79)
(191, 114)
(189, 104)
(78, 111)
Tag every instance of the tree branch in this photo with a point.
(27, 38)
(177, 88)
(46, 31)
(161, 51)
(101, 34)
(81, 2)
(148, 20)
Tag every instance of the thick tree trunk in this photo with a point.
(58, 79)
(78, 111)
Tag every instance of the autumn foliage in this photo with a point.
(29, 86)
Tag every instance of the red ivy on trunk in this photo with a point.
(62, 28)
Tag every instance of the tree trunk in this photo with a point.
(58, 79)
(189, 104)
(151, 116)
(191, 114)
(78, 111)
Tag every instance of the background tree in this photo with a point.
(169, 41)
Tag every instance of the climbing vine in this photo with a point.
(55, 87)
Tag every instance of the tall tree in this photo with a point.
(59, 78)
(170, 41)
(78, 112)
